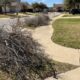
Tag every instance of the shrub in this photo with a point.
(38, 20)
(21, 57)
(43, 20)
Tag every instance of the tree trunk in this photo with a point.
(5, 8)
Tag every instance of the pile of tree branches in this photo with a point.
(22, 57)
(38, 20)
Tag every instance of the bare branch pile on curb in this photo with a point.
(21, 57)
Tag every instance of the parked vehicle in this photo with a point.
(74, 11)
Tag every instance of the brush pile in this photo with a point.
(21, 57)
(38, 20)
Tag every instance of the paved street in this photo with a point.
(9, 21)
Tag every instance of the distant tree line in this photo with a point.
(70, 4)
(36, 7)
(25, 6)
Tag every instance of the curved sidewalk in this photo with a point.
(54, 51)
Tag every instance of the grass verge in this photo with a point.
(70, 15)
(4, 16)
(11, 15)
(67, 32)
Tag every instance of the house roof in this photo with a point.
(58, 5)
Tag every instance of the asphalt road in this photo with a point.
(9, 21)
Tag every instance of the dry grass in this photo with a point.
(11, 15)
(34, 14)
(4, 16)
(70, 15)
(4, 76)
(67, 32)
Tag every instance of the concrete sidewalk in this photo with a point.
(71, 75)
(54, 51)
(57, 52)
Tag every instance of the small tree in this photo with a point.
(39, 6)
(24, 6)
(69, 4)
(43, 6)
(36, 6)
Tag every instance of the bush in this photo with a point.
(22, 58)
(38, 20)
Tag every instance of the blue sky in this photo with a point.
(48, 2)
